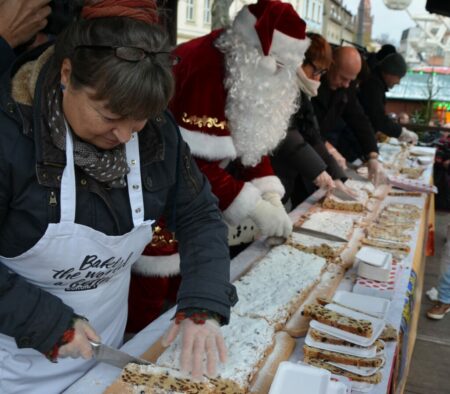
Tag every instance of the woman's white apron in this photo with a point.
(87, 270)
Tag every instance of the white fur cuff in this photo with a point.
(159, 266)
(269, 184)
(208, 146)
(243, 204)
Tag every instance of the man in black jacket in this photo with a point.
(372, 96)
(337, 100)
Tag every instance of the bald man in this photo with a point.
(337, 102)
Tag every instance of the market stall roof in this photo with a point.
(422, 86)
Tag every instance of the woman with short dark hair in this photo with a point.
(89, 158)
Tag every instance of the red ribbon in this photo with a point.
(142, 10)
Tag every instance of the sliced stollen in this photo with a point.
(317, 246)
(248, 342)
(319, 336)
(151, 379)
(373, 379)
(334, 319)
(275, 287)
(326, 355)
(386, 244)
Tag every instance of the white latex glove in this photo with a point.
(80, 346)
(376, 172)
(273, 197)
(337, 156)
(199, 341)
(324, 181)
(271, 220)
(408, 136)
(347, 190)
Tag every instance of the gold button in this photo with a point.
(133, 162)
(136, 187)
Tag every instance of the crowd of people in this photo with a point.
(131, 171)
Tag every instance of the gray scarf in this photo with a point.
(106, 166)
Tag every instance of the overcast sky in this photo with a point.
(388, 21)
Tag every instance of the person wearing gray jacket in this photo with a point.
(89, 159)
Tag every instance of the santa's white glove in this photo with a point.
(271, 220)
(408, 136)
(324, 181)
(199, 342)
(273, 197)
(376, 172)
(347, 190)
(79, 346)
(336, 155)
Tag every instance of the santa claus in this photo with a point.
(236, 90)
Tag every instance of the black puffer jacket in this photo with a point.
(332, 105)
(30, 175)
(303, 151)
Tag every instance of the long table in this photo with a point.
(398, 355)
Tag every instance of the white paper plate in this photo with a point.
(377, 326)
(375, 306)
(373, 256)
(362, 387)
(368, 352)
(421, 151)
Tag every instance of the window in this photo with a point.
(307, 9)
(190, 10)
(207, 12)
(313, 12)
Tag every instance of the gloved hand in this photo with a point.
(376, 172)
(271, 220)
(198, 341)
(408, 136)
(337, 156)
(347, 190)
(273, 197)
(79, 346)
(324, 181)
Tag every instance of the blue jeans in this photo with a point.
(444, 281)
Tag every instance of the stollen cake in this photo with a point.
(317, 246)
(331, 318)
(275, 287)
(248, 342)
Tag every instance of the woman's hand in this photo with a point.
(347, 190)
(324, 181)
(199, 342)
(376, 172)
(337, 156)
(79, 346)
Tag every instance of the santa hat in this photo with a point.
(275, 29)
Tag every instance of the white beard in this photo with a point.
(259, 102)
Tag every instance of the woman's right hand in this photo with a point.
(324, 181)
(336, 155)
(79, 346)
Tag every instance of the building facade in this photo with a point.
(364, 23)
(338, 22)
(194, 16)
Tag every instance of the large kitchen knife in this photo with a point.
(342, 195)
(109, 355)
(319, 234)
(353, 174)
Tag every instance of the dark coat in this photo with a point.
(303, 151)
(7, 56)
(372, 96)
(30, 175)
(331, 105)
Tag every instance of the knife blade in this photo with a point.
(342, 195)
(109, 355)
(318, 234)
(352, 174)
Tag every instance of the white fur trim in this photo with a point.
(244, 25)
(159, 266)
(288, 50)
(269, 184)
(243, 204)
(207, 146)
